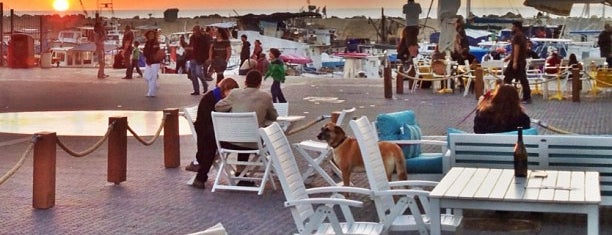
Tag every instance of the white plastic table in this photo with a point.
(497, 189)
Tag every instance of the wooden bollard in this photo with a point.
(43, 193)
(172, 151)
(576, 85)
(117, 150)
(399, 82)
(478, 83)
(388, 84)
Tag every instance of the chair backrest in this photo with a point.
(190, 114)
(282, 109)
(236, 127)
(343, 114)
(372, 161)
(287, 170)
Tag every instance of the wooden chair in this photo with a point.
(392, 212)
(312, 215)
(240, 128)
(322, 151)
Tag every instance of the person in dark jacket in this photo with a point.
(245, 52)
(502, 112)
(207, 147)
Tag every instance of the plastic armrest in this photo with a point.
(335, 201)
(407, 192)
(413, 183)
(338, 189)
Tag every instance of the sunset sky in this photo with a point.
(47, 5)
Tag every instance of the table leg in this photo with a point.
(434, 218)
(593, 220)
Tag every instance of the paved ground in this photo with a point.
(156, 200)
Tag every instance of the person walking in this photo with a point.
(604, 43)
(277, 71)
(154, 55)
(128, 50)
(220, 53)
(412, 10)
(517, 61)
(133, 64)
(99, 37)
(245, 52)
(198, 44)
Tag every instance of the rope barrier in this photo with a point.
(307, 125)
(12, 171)
(152, 140)
(91, 149)
(551, 128)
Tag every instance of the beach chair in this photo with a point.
(322, 152)
(240, 128)
(392, 213)
(312, 215)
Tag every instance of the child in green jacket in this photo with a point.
(277, 71)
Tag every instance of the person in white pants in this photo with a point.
(154, 55)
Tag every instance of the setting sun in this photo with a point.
(60, 5)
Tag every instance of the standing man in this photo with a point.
(412, 11)
(517, 61)
(604, 44)
(245, 52)
(127, 41)
(99, 37)
(197, 44)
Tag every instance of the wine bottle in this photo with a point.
(520, 156)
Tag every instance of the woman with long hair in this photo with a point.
(220, 52)
(502, 112)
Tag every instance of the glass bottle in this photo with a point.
(520, 156)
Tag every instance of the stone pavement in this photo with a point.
(156, 200)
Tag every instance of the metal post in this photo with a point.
(576, 85)
(12, 21)
(117, 150)
(1, 33)
(172, 152)
(43, 192)
(478, 83)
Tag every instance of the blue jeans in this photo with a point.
(197, 72)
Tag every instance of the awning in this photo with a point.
(559, 7)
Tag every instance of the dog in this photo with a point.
(347, 155)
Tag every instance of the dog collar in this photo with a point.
(339, 143)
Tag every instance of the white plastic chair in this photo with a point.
(283, 110)
(323, 152)
(240, 128)
(392, 212)
(312, 215)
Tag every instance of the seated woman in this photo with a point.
(501, 112)
(207, 147)
(552, 62)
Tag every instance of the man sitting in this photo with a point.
(248, 99)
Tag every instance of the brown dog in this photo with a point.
(347, 155)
